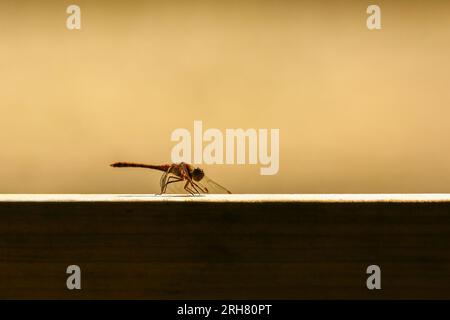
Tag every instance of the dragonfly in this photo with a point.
(195, 180)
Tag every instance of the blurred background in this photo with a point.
(359, 111)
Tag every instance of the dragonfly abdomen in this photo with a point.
(163, 167)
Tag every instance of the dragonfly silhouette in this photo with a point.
(195, 180)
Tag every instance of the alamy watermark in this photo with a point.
(74, 280)
(374, 280)
(373, 22)
(235, 146)
(73, 21)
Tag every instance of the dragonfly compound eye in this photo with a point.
(198, 174)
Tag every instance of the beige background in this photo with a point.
(358, 111)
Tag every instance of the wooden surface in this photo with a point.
(225, 247)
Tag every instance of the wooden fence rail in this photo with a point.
(225, 246)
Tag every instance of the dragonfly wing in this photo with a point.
(163, 179)
(210, 186)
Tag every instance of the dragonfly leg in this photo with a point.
(174, 179)
(194, 185)
(186, 187)
(164, 178)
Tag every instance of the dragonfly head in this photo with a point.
(197, 174)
